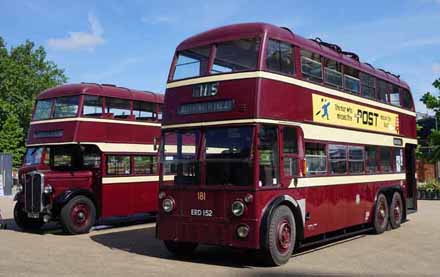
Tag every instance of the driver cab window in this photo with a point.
(290, 151)
(268, 150)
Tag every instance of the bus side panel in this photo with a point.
(115, 199)
(143, 197)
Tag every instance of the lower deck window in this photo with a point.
(145, 165)
(316, 159)
(385, 159)
(356, 159)
(371, 159)
(118, 165)
(338, 159)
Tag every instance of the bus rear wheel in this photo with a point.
(25, 223)
(281, 237)
(78, 215)
(396, 210)
(380, 223)
(180, 248)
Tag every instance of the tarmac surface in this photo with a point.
(132, 250)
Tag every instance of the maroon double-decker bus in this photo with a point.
(280, 142)
(91, 153)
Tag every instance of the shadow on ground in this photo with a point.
(142, 241)
(55, 228)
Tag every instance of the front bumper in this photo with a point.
(214, 232)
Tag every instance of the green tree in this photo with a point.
(24, 72)
(432, 102)
(11, 137)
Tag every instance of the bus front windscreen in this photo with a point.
(33, 155)
(229, 156)
(179, 156)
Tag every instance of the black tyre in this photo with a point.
(25, 223)
(78, 215)
(380, 222)
(396, 210)
(180, 248)
(280, 237)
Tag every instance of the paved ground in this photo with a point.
(412, 250)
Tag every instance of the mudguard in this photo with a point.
(267, 213)
(67, 195)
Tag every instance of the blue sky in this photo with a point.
(131, 43)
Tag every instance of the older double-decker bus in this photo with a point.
(91, 153)
(281, 142)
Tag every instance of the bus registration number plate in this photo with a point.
(200, 212)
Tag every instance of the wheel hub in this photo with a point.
(80, 214)
(284, 235)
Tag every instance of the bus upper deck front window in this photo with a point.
(236, 55)
(66, 106)
(192, 63)
(228, 156)
(179, 156)
(43, 109)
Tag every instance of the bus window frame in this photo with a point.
(286, 179)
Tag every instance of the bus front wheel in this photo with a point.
(25, 223)
(396, 210)
(381, 217)
(280, 238)
(180, 248)
(78, 215)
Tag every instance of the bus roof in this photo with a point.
(244, 30)
(101, 90)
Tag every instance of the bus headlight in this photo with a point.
(168, 205)
(48, 189)
(242, 231)
(238, 208)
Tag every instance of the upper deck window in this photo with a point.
(407, 100)
(92, 105)
(120, 108)
(43, 109)
(351, 79)
(279, 57)
(143, 110)
(395, 96)
(236, 55)
(332, 73)
(66, 106)
(192, 63)
(311, 66)
(368, 85)
(383, 88)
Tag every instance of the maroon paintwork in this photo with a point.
(328, 208)
(121, 199)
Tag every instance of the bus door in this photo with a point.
(411, 183)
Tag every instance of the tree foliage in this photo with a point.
(24, 72)
(11, 137)
(432, 102)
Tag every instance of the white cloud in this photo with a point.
(81, 40)
(436, 68)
